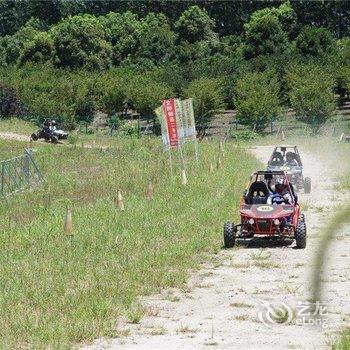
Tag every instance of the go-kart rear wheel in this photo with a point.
(300, 235)
(307, 185)
(229, 235)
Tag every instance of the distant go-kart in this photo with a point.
(266, 214)
(287, 158)
(48, 132)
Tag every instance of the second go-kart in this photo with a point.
(48, 132)
(265, 211)
(287, 158)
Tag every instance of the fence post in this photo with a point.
(26, 169)
(2, 178)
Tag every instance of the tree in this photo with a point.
(79, 41)
(39, 50)
(264, 36)
(313, 41)
(195, 25)
(310, 94)
(13, 45)
(284, 13)
(257, 99)
(145, 94)
(121, 30)
(208, 98)
(341, 67)
(155, 39)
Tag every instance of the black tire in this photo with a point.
(307, 185)
(300, 235)
(34, 137)
(302, 218)
(54, 139)
(229, 235)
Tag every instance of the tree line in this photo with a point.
(70, 65)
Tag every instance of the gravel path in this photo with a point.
(221, 305)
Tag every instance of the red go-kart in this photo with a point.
(266, 213)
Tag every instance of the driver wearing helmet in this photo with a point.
(53, 125)
(280, 194)
(291, 159)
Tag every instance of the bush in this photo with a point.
(129, 129)
(10, 105)
(145, 94)
(313, 41)
(257, 99)
(243, 135)
(310, 94)
(208, 97)
(39, 50)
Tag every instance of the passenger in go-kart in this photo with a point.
(291, 159)
(280, 194)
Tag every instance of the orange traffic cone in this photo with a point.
(149, 193)
(221, 148)
(183, 177)
(283, 136)
(68, 226)
(120, 202)
(219, 163)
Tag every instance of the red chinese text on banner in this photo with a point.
(170, 116)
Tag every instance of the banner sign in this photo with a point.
(177, 122)
(170, 117)
(188, 123)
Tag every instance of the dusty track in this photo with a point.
(13, 136)
(205, 312)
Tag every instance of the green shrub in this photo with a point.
(310, 94)
(313, 41)
(243, 135)
(208, 98)
(257, 99)
(39, 50)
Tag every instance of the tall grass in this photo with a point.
(56, 290)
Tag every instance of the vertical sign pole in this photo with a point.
(171, 163)
(196, 149)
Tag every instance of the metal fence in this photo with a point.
(19, 173)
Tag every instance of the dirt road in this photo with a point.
(14, 136)
(223, 301)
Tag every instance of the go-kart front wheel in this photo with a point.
(54, 139)
(229, 235)
(34, 137)
(300, 235)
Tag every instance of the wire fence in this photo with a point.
(18, 174)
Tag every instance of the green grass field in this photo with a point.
(58, 290)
